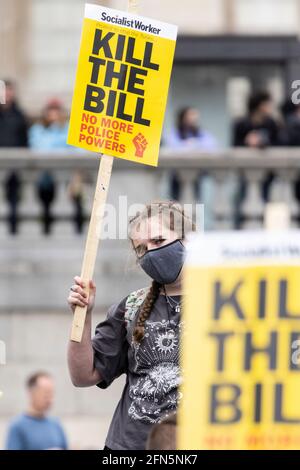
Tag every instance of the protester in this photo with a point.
(189, 133)
(34, 430)
(258, 129)
(13, 133)
(140, 336)
(52, 130)
(13, 123)
(76, 190)
(163, 435)
(291, 132)
(50, 133)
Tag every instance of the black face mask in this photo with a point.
(164, 264)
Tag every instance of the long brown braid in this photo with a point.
(185, 225)
(145, 310)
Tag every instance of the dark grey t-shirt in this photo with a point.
(152, 370)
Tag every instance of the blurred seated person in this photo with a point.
(34, 429)
(291, 132)
(13, 133)
(189, 134)
(258, 129)
(13, 123)
(52, 130)
(50, 133)
(291, 113)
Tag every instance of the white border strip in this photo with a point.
(162, 30)
(244, 248)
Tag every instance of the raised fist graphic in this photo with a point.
(140, 144)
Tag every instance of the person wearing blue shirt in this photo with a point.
(52, 131)
(34, 430)
(49, 134)
(189, 134)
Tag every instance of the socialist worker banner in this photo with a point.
(241, 343)
(122, 82)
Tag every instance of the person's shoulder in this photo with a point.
(127, 303)
(54, 421)
(17, 421)
(272, 122)
(36, 129)
(136, 296)
(115, 314)
(241, 121)
(36, 126)
(172, 138)
(17, 110)
(208, 137)
(119, 305)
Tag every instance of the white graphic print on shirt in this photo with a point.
(155, 394)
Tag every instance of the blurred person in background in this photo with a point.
(13, 133)
(163, 435)
(50, 133)
(52, 130)
(291, 116)
(34, 430)
(13, 123)
(187, 136)
(258, 129)
(189, 133)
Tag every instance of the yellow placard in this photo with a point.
(122, 82)
(241, 345)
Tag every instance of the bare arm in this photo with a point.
(81, 355)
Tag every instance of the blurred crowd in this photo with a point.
(264, 125)
(47, 133)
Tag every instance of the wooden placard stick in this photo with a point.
(95, 226)
(92, 241)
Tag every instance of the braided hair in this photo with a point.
(145, 310)
(184, 224)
